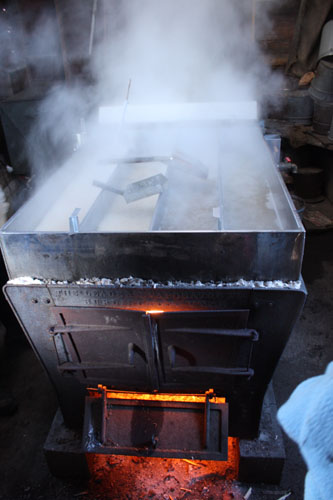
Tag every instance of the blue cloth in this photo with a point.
(307, 418)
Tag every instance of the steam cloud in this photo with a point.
(194, 50)
(172, 51)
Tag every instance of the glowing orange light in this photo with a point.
(133, 477)
(156, 307)
(123, 477)
(144, 396)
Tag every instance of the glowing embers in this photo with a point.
(144, 396)
(154, 311)
(120, 477)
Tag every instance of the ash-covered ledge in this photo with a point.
(139, 282)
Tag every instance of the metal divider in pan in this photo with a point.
(102, 203)
(159, 212)
(161, 207)
(138, 190)
(106, 196)
(221, 196)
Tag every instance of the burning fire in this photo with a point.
(124, 477)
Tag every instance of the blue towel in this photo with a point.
(307, 418)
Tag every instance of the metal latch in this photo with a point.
(209, 395)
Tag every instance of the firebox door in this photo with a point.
(201, 349)
(188, 351)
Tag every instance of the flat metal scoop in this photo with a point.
(137, 190)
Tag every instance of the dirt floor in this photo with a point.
(24, 474)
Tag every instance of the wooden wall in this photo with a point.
(276, 41)
(71, 27)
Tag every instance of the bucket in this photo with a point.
(299, 107)
(326, 41)
(321, 88)
(322, 117)
(309, 182)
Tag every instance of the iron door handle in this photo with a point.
(131, 350)
(238, 371)
(214, 370)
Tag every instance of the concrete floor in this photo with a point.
(24, 474)
(310, 347)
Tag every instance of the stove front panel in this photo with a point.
(229, 340)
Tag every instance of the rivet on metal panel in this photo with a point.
(34, 301)
(154, 441)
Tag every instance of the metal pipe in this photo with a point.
(92, 27)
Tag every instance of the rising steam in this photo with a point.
(172, 51)
(197, 50)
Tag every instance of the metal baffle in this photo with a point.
(221, 187)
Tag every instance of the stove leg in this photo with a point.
(262, 459)
(63, 451)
